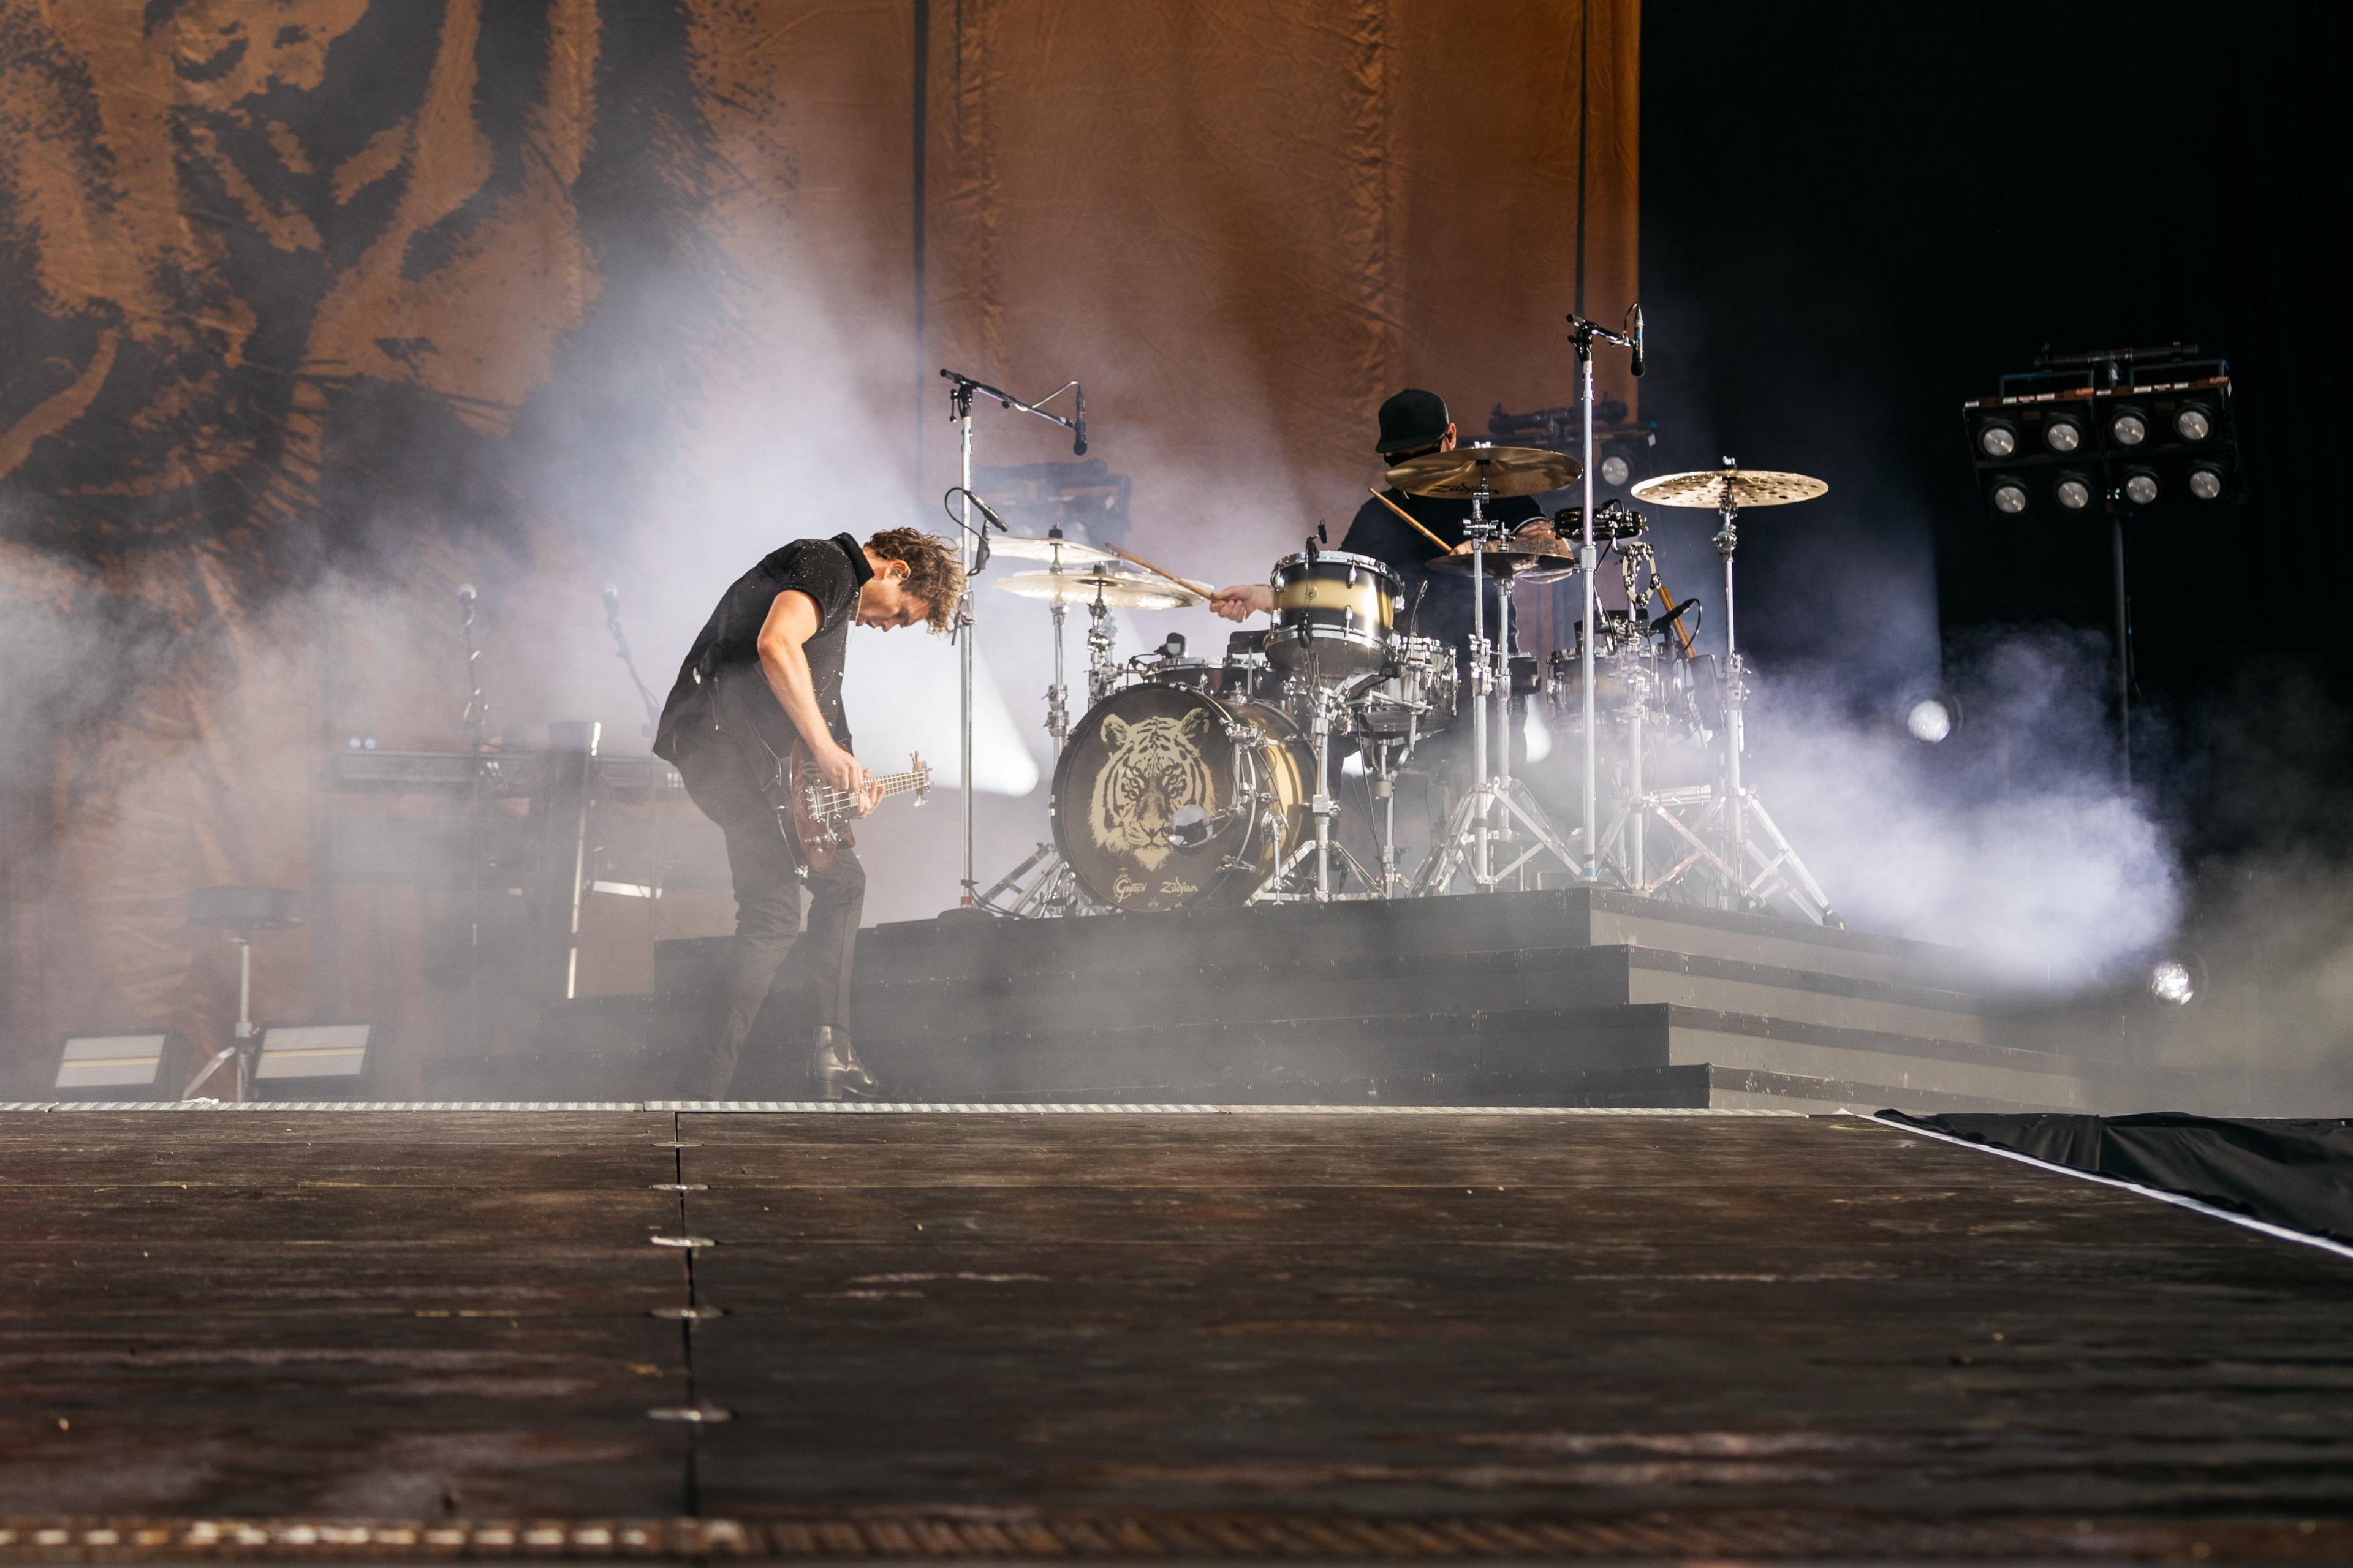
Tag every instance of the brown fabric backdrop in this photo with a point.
(315, 308)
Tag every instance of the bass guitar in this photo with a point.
(813, 815)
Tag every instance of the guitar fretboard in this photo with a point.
(824, 801)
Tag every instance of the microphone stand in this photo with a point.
(621, 652)
(960, 389)
(1584, 334)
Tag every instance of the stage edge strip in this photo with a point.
(891, 1108)
(2178, 1200)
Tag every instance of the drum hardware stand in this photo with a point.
(1731, 811)
(972, 548)
(1472, 831)
(1322, 807)
(1583, 334)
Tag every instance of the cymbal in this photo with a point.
(1739, 488)
(1058, 551)
(1533, 556)
(1507, 470)
(1118, 590)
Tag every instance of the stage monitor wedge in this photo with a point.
(314, 1061)
(128, 1067)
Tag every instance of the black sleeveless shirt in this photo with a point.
(831, 572)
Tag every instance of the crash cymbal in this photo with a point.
(1535, 556)
(1055, 552)
(1739, 488)
(1507, 470)
(1118, 590)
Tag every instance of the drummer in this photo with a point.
(1437, 604)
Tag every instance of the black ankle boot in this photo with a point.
(839, 1074)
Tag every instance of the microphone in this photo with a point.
(1078, 436)
(612, 596)
(465, 593)
(987, 515)
(1636, 367)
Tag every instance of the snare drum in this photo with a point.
(1334, 613)
(1417, 689)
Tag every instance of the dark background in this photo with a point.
(1932, 194)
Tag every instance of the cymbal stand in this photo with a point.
(1473, 831)
(1744, 833)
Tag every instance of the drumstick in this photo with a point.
(1188, 586)
(1409, 518)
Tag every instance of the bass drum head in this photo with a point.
(1153, 758)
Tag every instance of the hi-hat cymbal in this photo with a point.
(1505, 470)
(1740, 489)
(1055, 552)
(1535, 556)
(1118, 590)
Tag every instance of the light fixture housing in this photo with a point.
(2141, 487)
(2009, 497)
(2067, 412)
(2128, 426)
(2063, 433)
(2206, 482)
(2193, 421)
(130, 1065)
(2071, 491)
(315, 1061)
(1997, 438)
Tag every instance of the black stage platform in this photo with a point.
(393, 1335)
(1570, 997)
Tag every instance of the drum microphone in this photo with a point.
(1079, 425)
(1636, 363)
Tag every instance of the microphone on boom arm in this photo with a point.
(1079, 426)
(1636, 363)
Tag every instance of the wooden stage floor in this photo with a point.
(385, 1334)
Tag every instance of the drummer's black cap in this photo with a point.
(1411, 419)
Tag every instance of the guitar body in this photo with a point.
(817, 839)
(813, 816)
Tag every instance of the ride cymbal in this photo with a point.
(1740, 489)
(1504, 471)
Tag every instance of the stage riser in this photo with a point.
(1584, 996)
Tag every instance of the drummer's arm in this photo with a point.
(1242, 601)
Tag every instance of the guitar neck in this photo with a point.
(832, 801)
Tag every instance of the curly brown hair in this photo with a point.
(933, 574)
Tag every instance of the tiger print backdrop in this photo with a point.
(312, 309)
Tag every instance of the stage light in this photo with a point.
(1616, 470)
(1930, 720)
(314, 1061)
(2172, 983)
(2063, 435)
(112, 1067)
(1998, 439)
(2010, 498)
(2191, 422)
(2128, 426)
(2140, 486)
(2206, 481)
(2072, 491)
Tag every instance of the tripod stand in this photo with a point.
(1729, 840)
(973, 549)
(1485, 816)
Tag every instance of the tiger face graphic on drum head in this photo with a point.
(1152, 770)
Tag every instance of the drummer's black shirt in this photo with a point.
(831, 572)
(1446, 604)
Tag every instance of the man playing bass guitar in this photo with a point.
(756, 712)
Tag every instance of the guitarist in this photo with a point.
(762, 680)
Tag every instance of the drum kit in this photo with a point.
(1190, 781)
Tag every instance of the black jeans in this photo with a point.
(807, 972)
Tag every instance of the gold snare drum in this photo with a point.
(1334, 612)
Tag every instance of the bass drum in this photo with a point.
(1157, 807)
